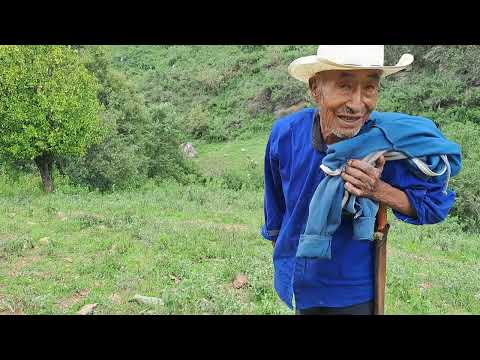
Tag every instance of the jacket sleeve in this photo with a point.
(274, 202)
(426, 195)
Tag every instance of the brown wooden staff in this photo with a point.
(380, 238)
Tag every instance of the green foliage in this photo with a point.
(467, 183)
(140, 142)
(198, 122)
(109, 165)
(213, 88)
(48, 102)
(162, 148)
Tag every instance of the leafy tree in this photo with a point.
(48, 106)
(118, 162)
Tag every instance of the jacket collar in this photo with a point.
(317, 139)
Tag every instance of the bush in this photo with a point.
(113, 164)
(198, 122)
(467, 183)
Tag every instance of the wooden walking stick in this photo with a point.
(380, 238)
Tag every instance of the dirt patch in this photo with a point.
(8, 308)
(74, 299)
(240, 281)
(425, 286)
(22, 263)
(221, 226)
(115, 299)
(16, 311)
(261, 102)
(283, 111)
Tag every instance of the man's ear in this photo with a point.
(315, 91)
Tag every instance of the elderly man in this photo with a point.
(344, 81)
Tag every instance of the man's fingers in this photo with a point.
(353, 190)
(356, 182)
(380, 163)
(359, 175)
(363, 166)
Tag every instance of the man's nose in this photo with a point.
(355, 102)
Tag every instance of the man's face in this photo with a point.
(346, 99)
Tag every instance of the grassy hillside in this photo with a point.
(219, 91)
(187, 244)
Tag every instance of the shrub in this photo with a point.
(198, 122)
(467, 183)
(113, 164)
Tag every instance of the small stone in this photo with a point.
(116, 299)
(243, 150)
(240, 281)
(44, 241)
(148, 300)
(61, 216)
(188, 150)
(87, 309)
(175, 278)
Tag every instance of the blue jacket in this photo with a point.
(385, 131)
(293, 156)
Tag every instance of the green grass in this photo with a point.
(186, 244)
(137, 242)
(232, 156)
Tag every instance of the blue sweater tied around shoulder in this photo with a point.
(395, 135)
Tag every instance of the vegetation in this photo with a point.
(131, 215)
(48, 106)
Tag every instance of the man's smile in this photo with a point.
(350, 119)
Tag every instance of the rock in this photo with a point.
(116, 299)
(188, 150)
(240, 281)
(44, 241)
(205, 306)
(87, 309)
(243, 150)
(61, 216)
(175, 278)
(147, 300)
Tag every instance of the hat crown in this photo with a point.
(360, 55)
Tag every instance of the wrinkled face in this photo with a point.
(345, 99)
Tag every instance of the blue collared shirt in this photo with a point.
(293, 156)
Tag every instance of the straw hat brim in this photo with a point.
(305, 67)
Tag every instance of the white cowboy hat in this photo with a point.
(345, 57)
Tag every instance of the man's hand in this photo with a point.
(363, 179)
